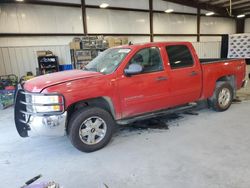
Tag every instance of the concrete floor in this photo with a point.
(209, 150)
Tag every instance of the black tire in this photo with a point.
(77, 121)
(215, 102)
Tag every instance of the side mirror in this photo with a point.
(133, 69)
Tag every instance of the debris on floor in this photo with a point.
(30, 183)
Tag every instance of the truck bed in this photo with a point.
(213, 68)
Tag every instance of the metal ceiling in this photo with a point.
(223, 7)
(237, 6)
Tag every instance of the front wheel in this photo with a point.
(222, 97)
(91, 129)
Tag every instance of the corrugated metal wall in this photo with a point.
(20, 60)
(208, 49)
(18, 54)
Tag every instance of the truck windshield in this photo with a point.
(108, 61)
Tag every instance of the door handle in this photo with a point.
(193, 73)
(161, 78)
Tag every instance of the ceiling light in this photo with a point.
(241, 16)
(209, 13)
(104, 5)
(169, 10)
(19, 0)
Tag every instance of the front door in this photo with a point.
(148, 90)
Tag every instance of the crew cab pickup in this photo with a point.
(122, 85)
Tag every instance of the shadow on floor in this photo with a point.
(163, 122)
(153, 123)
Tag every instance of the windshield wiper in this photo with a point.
(84, 68)
(93, 69)
(90, 69)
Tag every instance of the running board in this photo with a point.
(180, 109)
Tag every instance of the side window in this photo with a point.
(179, 56)
(149, 59)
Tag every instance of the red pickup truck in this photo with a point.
(122, 85)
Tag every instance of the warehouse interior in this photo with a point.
(197, 148)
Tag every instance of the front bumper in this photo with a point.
(28, 124)
(47, 125)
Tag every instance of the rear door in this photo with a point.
(147, 91)
(185, 74)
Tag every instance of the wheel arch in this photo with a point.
(231, 79)
(100, 102)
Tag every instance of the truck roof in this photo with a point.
(150, 44)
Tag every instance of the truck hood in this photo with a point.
(39, 83)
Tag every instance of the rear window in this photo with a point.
(179, 56)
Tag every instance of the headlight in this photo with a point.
(45, 103)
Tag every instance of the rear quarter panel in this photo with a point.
(215, 70)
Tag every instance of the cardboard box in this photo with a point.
(124, 40)
(75, 45)
(118, 42)
(110, 41)
(76, 39)
(113, 41)
(71, 45)
(44, 53)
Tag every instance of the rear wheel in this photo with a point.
(222, 97)
(91, 129)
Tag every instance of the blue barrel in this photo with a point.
(65, 67)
